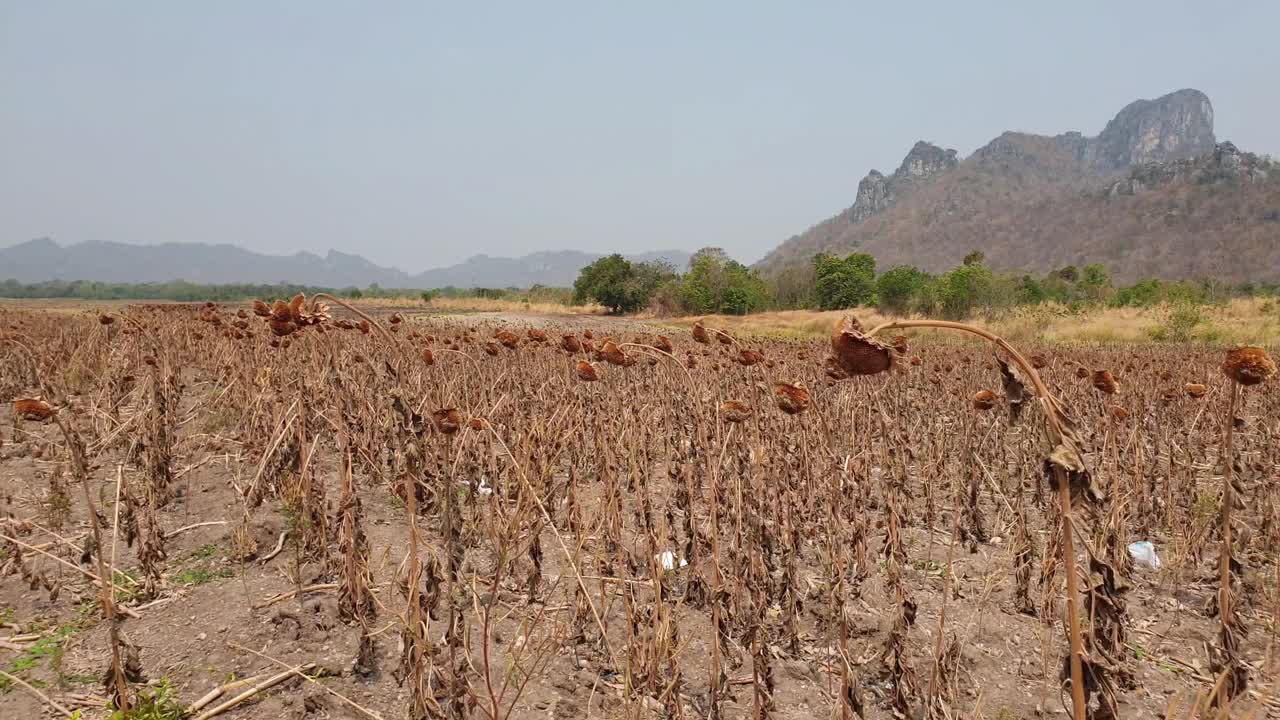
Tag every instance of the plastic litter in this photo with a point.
(1144, 553)
(669, 561)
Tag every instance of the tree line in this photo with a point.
(715, 283)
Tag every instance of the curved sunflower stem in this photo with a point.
(352, 308)
(1052, 416)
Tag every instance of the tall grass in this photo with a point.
(1246, 320)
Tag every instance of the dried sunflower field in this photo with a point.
(298, 510)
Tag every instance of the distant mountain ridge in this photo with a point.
(1152, 195)
(43, 259)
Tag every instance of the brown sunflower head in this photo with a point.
(105, 319)
(724, 337)
(447, 420)
(700, 334)
(537, 335)
(587, 334)
(428, 357)
(491, 348)
(791, 399)
(1105, 383)
(364, 326)
(33, 409)
(1082, 372)
(1118, 412)
(508, 339)
(586, 371)
(261, 309)
(282, 327)
(296, 305)
(856, 353)
(663, 343)
(1195, 390)
(734, 411)
(984, 400)
(314, 315)
(1248, 365)
(747, 358)
(900, 344)
(280, 311)
(569, 343)
(1038, 360)
(613, 354)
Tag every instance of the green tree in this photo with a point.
(605, 281)
(977, 257)
(1031, 291)
(717, 283)
(844, 282)
(646, 279)
(901, 287)
(1095, 282)
(619, 284)
(964, 288)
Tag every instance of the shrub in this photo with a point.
(1178, 323)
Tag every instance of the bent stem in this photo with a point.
(1053, 412)
(352, 308)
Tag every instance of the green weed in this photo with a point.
(160, 703)
(199, 576)
(50, 648)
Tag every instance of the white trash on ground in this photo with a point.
(1144, 553)
(668, 560)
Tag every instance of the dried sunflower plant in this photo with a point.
(401, 515)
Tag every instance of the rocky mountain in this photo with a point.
(43, 259)
(877, 192)
(1175, 126)
(1153, 194)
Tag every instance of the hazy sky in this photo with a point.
(419, 134)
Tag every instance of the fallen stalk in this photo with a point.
(43, 698)
(251, 692)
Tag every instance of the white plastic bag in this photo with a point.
(1144, 553)
(668, 560)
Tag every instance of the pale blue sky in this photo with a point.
(418, 134)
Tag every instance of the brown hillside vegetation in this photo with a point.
(1228, 230)
(1035, 203)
